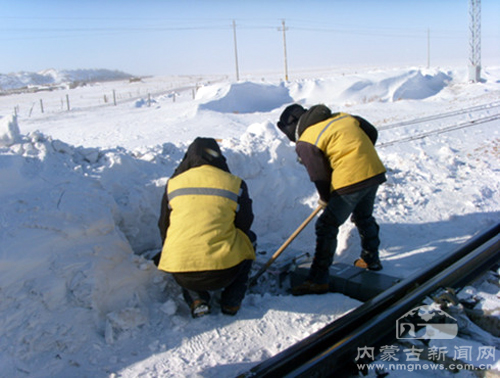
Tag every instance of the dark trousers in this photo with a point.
(233, 281)
(360, 205)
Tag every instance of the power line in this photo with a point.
(379, 31)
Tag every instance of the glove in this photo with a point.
(322, 203)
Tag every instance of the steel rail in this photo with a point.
(439, 116)
(340, 358)
(442, 130)
(332, 349)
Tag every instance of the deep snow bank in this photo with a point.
(75, 222)
(61, 251)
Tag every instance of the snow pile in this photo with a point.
(244, 97)
(80, 204)
(376, 86)
(9, 131)
(249, 97)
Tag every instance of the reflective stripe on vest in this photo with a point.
(326, 127)
(205, 192)
(201, 235)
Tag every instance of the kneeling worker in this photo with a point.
(205, 221)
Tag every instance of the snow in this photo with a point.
(81, 190)
(53, 77)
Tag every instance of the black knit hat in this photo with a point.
(203, 151)
(315, 114)
(289, 119)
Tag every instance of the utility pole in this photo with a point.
(236, 52)
(475, 40)
(284, 47)
(428, 48)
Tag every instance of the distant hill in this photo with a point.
(50, 79)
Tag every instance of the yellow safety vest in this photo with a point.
(351, 154)
(202, 235)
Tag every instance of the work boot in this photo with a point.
(309, 287)
(375, 265)
(199, 308)
(230, 310)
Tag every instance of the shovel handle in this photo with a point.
(253, 280)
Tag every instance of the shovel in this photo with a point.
(253, 280)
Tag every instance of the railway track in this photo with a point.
(452, 126)
(332, 351)
(435, 117)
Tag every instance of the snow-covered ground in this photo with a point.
(81, 190)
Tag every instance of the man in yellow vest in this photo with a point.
(338, 151)
(205, 221)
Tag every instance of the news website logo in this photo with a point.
(434, 323)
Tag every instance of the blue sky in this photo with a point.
(153, 37)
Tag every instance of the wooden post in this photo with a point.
(31, 110)
(284, 48)
(114, 97)
(41, 105)
(236, 52)
(149, 99)
(67, 102)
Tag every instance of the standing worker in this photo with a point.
(339, 155)
(205, 221)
